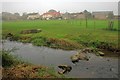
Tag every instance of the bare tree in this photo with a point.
(110, 22)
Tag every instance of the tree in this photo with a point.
(110, 22)
(24, 16)
(110, 16)
(16, 14)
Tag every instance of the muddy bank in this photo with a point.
(96, 67)
(100, 44)
(29, 71)
(110, 54)
(44, 41)
(14, 68)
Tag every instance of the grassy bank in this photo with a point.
(14, 68)
(65, 34)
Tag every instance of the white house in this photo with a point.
(33, 16)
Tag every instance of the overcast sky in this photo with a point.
(59, 5)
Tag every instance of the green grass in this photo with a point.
(51, 71)
(70, 30)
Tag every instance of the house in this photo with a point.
(80, 15)
(33, 16)
(51, 14)
(103, 15)
(66, 16)
(73, 15)
(116, 17)
(10, 16)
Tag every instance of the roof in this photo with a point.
(77, 13)
(33, 13)
(52, 13)
(80, 13)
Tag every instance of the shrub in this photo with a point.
(8, 59)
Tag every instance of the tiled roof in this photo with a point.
(52, 13)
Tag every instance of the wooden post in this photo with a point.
(80, 22)
(86, 21)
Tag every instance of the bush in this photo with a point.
(8, 59)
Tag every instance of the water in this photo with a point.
(96, 67)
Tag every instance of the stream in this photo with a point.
(96, 67)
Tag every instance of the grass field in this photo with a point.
(69, 30)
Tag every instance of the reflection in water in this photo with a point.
(96, 67)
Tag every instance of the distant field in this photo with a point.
(72, 30)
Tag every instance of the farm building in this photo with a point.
(51, 14)
(103, 15)
(33, 16)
